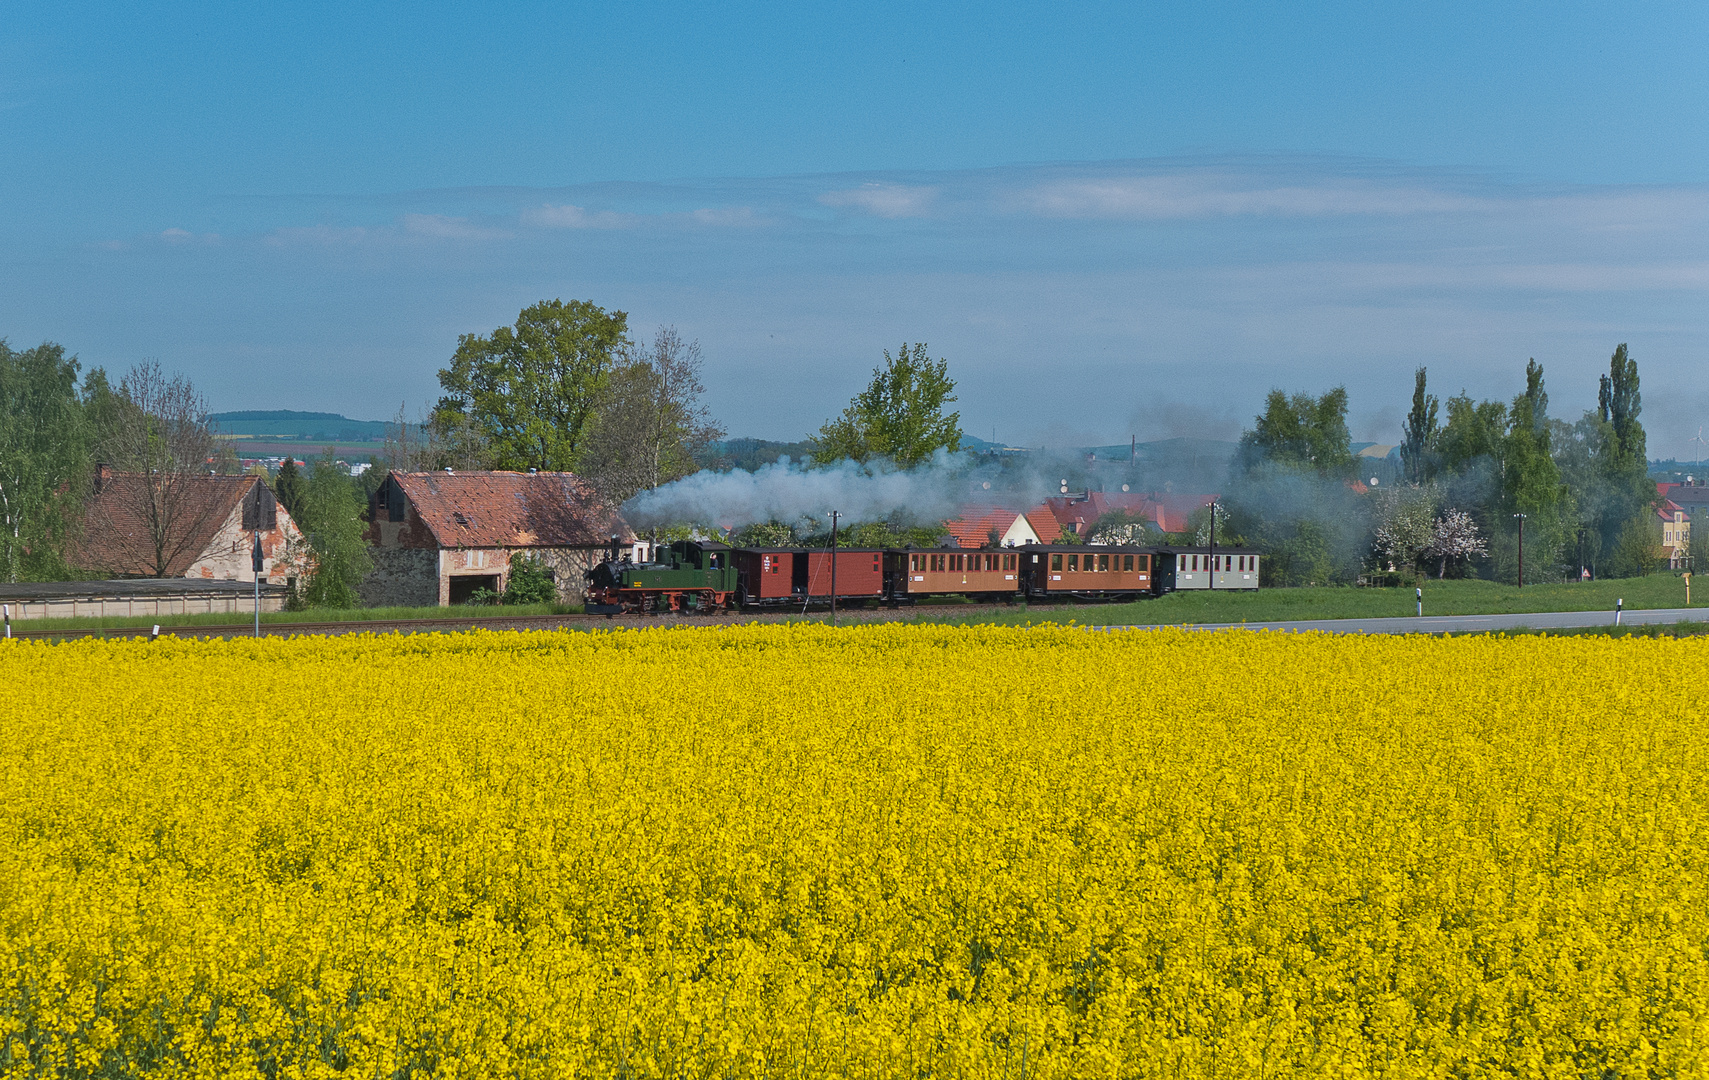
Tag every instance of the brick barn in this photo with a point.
(438, 537)
(205, 528)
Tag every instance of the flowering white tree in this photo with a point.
(1455, 536)
(1405, 525)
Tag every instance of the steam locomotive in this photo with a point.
(706, 577)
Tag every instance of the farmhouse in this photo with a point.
(187, 527)
(439, 538)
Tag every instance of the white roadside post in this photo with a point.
(1420, 591)
(1619, 605)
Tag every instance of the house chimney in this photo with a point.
(103, 475)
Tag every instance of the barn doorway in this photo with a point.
(464, 586)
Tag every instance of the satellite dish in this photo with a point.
(1124, 487)
(1373, 481)
(986, 485)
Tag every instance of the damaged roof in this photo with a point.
(116, 538)
(509, 509)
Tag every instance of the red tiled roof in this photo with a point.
(509, 509)
(115, 538)
(1044, 523)
(973, 528)
(1167, 510)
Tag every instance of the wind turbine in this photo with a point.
(1699, 441)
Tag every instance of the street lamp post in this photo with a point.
(1521, 519)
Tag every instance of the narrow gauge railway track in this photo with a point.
(497, 622)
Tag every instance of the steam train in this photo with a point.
(705, 577)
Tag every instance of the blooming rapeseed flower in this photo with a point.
(886, 851)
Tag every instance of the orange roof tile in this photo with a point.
(973, 527)
(510, 509)
(116, 538)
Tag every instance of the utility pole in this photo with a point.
(1212, 576)
(833, 568)
(1521, 519)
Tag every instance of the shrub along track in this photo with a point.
(496, 622)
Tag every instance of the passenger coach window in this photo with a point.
(1103, 562)
(1056, 561)
(1144, 563)
(1074, 562)
(1127, 563)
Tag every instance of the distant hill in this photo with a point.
(315, 427)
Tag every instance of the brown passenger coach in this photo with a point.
(1101, 572)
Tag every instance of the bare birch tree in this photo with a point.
(160, 446)
(651, 423)
(441, 441)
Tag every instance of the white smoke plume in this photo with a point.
(787, 492)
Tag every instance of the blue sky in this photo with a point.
(1112, 219)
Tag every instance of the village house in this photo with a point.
(202, 527)
(1044, 523)
(1679, 502)
(439, 538)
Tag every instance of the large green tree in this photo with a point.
(531, 388)
(1531, 481)
(899, 416)
(1418, 446)
(1623, 458)
(1301, 432)
(1289, 491)
(43, 456)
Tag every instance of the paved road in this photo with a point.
(1460, 624)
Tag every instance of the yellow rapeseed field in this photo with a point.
(888, 851)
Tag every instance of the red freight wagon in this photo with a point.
(952, 570)
(860, 573)
(779, 577)
(769, 575)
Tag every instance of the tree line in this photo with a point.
(1476, 476)
(566, 388)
